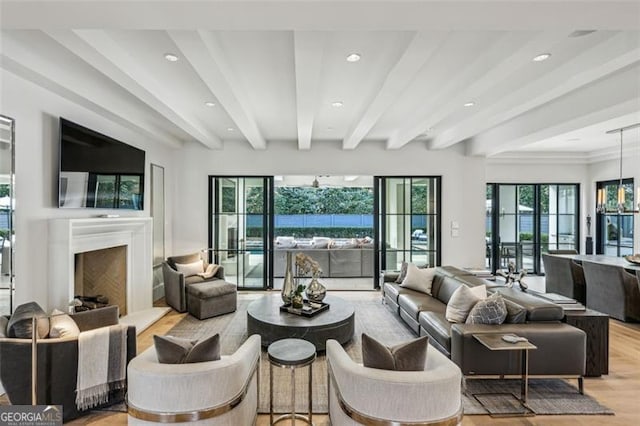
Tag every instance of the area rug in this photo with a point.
(550, 396)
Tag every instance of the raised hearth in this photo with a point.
(68, 237)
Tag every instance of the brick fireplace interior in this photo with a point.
(103, 272)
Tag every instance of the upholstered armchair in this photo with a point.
(175, 282)
(361, 395)
(57, 364)
(612, 290)
(564, 276)
(223, 392)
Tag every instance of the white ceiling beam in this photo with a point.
(318, 15)
(203, 50)
(118, 65)
(591, 65)
(403, 73)
(605, 99)
(308, 55)
(501, 59)
(59, 80)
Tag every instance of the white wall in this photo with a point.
(463, 185)
(36, 112)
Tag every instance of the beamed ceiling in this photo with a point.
(273, 69)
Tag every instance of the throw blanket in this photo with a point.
(102, 361)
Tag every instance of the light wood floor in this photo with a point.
(620, 390)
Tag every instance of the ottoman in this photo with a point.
(211, 298)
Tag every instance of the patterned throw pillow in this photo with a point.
(407, 356)
(491, 310)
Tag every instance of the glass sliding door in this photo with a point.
(614, 231)
(409, 221)
(240, 228)
(526, 220)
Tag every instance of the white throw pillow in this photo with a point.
(190, 269)
(62, 325)
(320, 242)
(419, 279)
(462, 301)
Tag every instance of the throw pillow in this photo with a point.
(403, 273)
(211, 270)
(62, 325)
(516, 314)
(190, 269)
(462, 301)
(205, 350)
(491, 310)
(418, 279)
(407, 356)
(3, 326)
(176, 350)
(320, 242)
(20, 322)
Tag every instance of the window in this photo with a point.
(614, 231)
(528, 220)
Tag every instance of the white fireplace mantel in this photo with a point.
(70, 236)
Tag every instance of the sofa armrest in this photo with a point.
(390, 276)
(174, 288)
(220, 273)
(96, 318)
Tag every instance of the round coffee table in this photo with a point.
(265, 318)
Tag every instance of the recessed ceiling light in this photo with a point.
(542, 57)
(337, 104)
(329, 129)
(230, 129)
(353, 57)
(210, 104)
(470, 104)
(171, 57)
(573, 140)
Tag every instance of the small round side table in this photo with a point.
(291, 354)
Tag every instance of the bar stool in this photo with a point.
(291, 354)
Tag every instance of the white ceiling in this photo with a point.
(273, 68)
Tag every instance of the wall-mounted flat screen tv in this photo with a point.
(97, 171)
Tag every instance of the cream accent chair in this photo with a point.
(361, 395)
(223, 392)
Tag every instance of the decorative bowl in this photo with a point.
(635, 259)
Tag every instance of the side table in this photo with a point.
(494, 342)
(596, 325)
(291, 354)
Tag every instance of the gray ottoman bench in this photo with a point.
(211, 298)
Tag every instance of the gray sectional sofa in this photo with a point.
(561, 347)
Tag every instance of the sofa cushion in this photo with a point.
(537, 309)
(186, 258)
(438, 328)
(446, 289)
(19, 324)
(462, 301)
(320, 242)
(190, 269)
(177, 350)
(413, 302)
(394, 290)
(491, 310)
(418, 279)
(407, 356)
(62, 325)
(210, 289)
